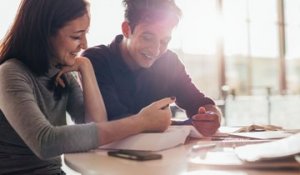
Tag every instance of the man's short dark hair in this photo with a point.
(137, 11)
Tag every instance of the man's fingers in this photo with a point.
(205, 117)
(164, 103)
(206, 128)
(201, 110)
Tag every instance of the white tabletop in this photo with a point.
(176, 161)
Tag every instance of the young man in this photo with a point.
(137, 68)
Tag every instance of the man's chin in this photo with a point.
(146, 65)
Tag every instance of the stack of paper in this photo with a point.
(173, 136)
(263, 134)
(285, 147)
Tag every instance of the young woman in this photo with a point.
(37, 88)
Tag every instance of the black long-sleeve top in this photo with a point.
(126, 92)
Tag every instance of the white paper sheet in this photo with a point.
(275, 149)
(173, 136)
(263, 134)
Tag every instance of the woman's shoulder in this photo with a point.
(13, 66)
(12, 63)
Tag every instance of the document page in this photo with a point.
(173, 136)
(263, 134)
(285, 147)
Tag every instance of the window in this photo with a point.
(292, 13)
(106, 20)
(7, 14)
(220, 42)
(251, 44)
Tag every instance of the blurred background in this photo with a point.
(245, 54)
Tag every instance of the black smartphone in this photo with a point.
(135, 155)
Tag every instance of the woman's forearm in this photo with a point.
(152, 118)
(93, 100)
(119, 129)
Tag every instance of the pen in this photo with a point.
(167, 105)
(199, 147)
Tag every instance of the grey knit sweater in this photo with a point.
(33, 130)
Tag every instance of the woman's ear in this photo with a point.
(126, 29)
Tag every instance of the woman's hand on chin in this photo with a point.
(81, 65)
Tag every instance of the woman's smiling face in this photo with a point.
(69, 40)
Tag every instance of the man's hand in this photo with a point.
(157, 115)
(206, 122)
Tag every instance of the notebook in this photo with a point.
(173, 136)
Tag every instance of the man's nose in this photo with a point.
(155, 49)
